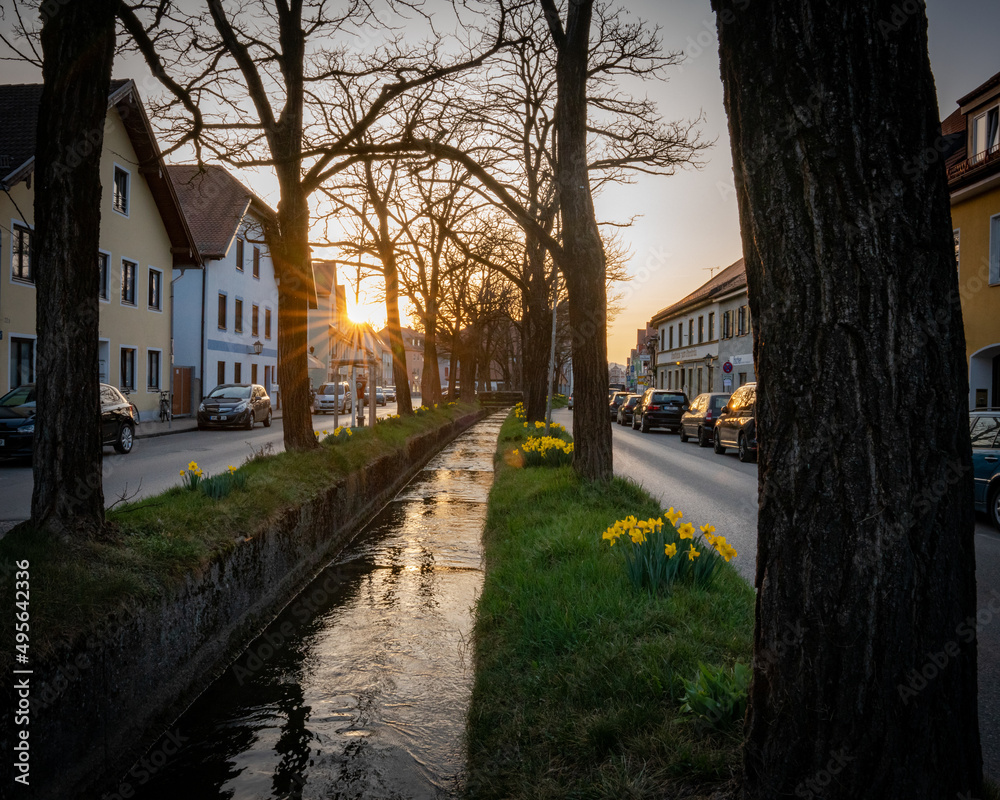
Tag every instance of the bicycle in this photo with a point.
(166, 415)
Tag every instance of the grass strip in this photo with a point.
(578, 676)
(153, 544)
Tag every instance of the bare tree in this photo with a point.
(864, 670)
(78, 41)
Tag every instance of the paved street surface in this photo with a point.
(720, 490)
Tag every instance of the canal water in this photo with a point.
(359, 688)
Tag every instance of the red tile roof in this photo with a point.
(731, 278)
(214, 203)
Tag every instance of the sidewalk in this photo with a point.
(150, 428)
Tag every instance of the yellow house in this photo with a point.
(144, 236)
(974, 185)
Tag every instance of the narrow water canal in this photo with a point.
(359, 688)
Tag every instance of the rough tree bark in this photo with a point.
(864, 672)
(581, 258)
(78, 41)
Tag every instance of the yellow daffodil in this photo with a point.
(670, 550)
(686, 531)
(673, 516)
(193, 466)
(693, 554)
(182, 472)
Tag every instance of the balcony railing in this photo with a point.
(990, 156)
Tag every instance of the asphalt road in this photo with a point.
(722, 491)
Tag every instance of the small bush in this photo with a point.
(718, 697)
(219, 486)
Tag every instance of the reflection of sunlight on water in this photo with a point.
(363, 689)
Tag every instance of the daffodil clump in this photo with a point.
(658, 554)
(519, 411)
(339, 434)
(540, 426)
(545, 451)
(387, 418)
(216, 486)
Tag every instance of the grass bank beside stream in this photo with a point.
(579, 676)
(152, 544)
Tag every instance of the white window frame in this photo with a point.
(31, 247)
(135, 366)
(238, 318)
(150, 388)
(10, 357)
(106, 288)
(128, 189)
(149, 283)
(135, 288)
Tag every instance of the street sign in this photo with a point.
(727, 367)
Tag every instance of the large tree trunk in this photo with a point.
(581, 259)
(78, 46)
(430, 386)
(864, 672)
(290, 252)
(536, 325)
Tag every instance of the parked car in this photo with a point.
(984, 427)
(235, 405)
(379, 396)
(699, 420)
(616, 400)
(626, 411)
(17, 421)
(332, 397)
(569, 403)
(660, 408)
(390, 394)
(737, 425)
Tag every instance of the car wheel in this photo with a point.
(250, 421)
(635, 422)
(267, 419)
(126, 438)
(718, 444)
(993, 507)
(702, 438)
(744, 449)
(684, 436)
(644, 425)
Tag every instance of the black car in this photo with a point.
(660, 408)
(737, 425)
(615, 402)
(699, 420)
(626, 411)
(235, 405)
(17, 421)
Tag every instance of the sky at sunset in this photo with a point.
(688, 223)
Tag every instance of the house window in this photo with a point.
(985, 134)
(127, 371)
(155, 289)
(995, 249)
(221, 372)
(238, 316)
(256, 262)
(267, 323)
(711, 328)
(153, 370)
(254, 313)
(741, 326)
(128, 282)
(103, 291)
(691, 331)
(253, 373)
(671, 337)
(120, 191)
(237, 372)
(701, 329)
(22, 356)
(23, 255)
(957, 234)
(222, 311)
(239, 255)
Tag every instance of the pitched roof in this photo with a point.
(214, 203)
(731, 278)
(19, 104)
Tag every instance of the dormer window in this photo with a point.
(984, 133)
(121, 191)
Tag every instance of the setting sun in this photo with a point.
(372, 313)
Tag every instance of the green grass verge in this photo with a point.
(579, 676)
(154, 543)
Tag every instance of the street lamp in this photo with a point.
(258, 348)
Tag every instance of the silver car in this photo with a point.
(332, 397)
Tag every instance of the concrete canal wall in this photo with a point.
(98, 705)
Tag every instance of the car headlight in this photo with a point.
(201, 408)
(29, 428)
(241, 406)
